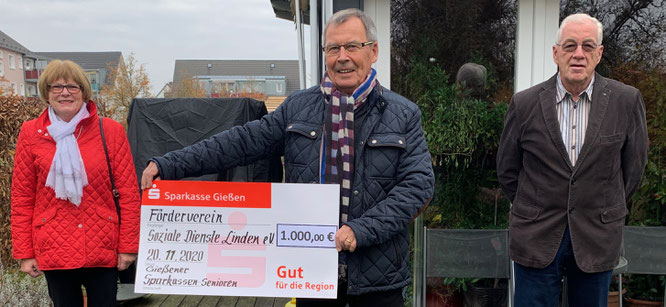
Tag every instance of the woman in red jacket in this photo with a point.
(64, 221)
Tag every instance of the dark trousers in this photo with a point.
(65, 286)
(127, 276)
(391, 298)
(541, 287)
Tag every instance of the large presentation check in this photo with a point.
(239, 239)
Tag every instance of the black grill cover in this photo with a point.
(159, 125)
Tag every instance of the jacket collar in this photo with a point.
(548, 100)
(376, 98)
(562, 91)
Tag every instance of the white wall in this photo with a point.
(538, 21)
(380, 12)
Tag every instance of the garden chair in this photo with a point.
(645, 251)
(467, 253)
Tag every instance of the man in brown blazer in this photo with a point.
(572, 153)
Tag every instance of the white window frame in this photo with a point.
(12, 61)
(14, 88)
(20, 62)
(278, 87)
(2, 68)
(22, 87)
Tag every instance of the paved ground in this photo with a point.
(154, 300)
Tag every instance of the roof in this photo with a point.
(35, 56)
(283, 10)
(166, 88)
(87, 60)
(240, 78)
(244, 68)
(9, 43)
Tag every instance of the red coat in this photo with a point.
(56, 232)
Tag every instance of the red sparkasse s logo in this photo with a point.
(154, 193)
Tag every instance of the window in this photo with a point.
(40, 64)
(2, 68)
(20, 62)
(278, 87)
(12, 62)
(14, 88)
(22, 92)
(28, 64)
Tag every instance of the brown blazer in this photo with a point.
(547, 192)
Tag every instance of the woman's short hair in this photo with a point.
(66, 70)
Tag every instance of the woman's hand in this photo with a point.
(29, 266)
(124, 261)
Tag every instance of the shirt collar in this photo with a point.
(562, 92)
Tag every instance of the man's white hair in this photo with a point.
(581, 18)
(344, 15)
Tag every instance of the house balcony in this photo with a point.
(33, 75)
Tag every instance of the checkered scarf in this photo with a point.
(338, 160)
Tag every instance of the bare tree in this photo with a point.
(129, 80)
(188, 86)
(634, 30)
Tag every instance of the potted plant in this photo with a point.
(645, 290)
(487, 292)
(463, 135)
(648, 208)
(443, 292)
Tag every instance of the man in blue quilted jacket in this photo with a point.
(348, 130)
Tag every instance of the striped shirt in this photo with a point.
(573, 117)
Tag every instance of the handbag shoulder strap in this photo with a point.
(116, 195)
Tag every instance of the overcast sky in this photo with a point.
(157, 31)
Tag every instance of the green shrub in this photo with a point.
(18, 289)
(14, 110)
(463, 136)
(646, 287)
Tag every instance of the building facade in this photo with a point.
(230, 78)
(33, 67)
(97, 66)
(12, 79)
(21, 68)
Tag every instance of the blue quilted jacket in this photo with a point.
(393, 175)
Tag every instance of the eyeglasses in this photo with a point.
(71, 88)
(349, 48)
(573, 46)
